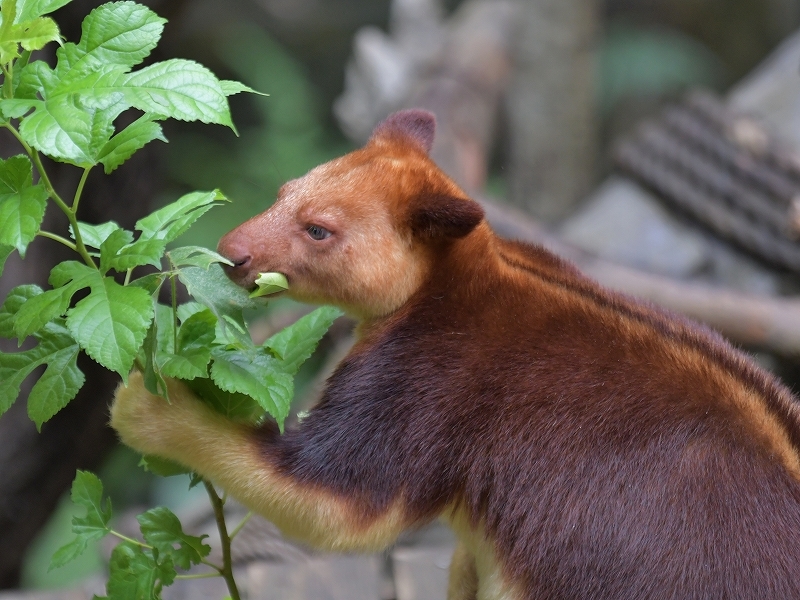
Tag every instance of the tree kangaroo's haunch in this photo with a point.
(581, 444)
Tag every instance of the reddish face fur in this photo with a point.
(381, 206)
(581, 444)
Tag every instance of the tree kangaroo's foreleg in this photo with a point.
(463, 580)
(232, 456)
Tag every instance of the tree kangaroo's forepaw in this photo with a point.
(143, 420)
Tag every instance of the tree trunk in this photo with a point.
(551, 107)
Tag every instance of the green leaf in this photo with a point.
(137, 574)
(93, 236)
(191, 357)
(153, 379)
(71, 276)
(40, 310)
(123, 145)
(59, 383)
(119, 252)
(66, 128)
(151, 283)
(258, 376)
(15, 299)
(196, 256)
(235, 406)
(111, 322)
(162, 530)
(116, 33)
(177, 88)
(32, 34)
(5, 252)
(231, 88)
(169, 222)
(162, 467)
(225, 299)
(295, 344)
(87, 491)
(269, 283)
(22, 204)
(74, 105)
(31, 9)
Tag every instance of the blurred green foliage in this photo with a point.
(286, 138)
(638, 60)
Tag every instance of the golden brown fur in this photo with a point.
(580, 444)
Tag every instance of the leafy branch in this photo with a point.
(68, 113)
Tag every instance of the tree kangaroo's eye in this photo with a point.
(315, 232)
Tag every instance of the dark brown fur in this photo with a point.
(602, 467)
(604, 448)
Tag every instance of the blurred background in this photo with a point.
(533, 98)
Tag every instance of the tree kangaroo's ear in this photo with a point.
(414, 126)
(438, 215)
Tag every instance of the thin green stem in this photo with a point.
(79, 191)
(198, 576)
(8, 80)
(208, 563)
(125, 538)
(128, 274)
(241, 525)
(48, 185)
(58, 238)
(225, 540)
(174, 316)
(16, 134)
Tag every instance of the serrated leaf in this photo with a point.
(258, 376)
(162, 530)
(66, 129)
(93, 236)
(111, 322)
(196, 256)
(225, 299)
(177, 88)
(187, 309)
(150, 283)
(295, 344)
(231, 88)
(195, 338)
(135, 254)
(87, 492)
(67, 553)
(59, 383)
(69, 277)
(22, 204)
(235, 406)
(75, 104)
(136, 574)
(153, 380)
(34, 34)
(31, 9)
(118, 239)
(162, 467)
(15, 299)
(269, 283)
(5, 252)
(118, 33)
(123, 145)
(169, 222)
